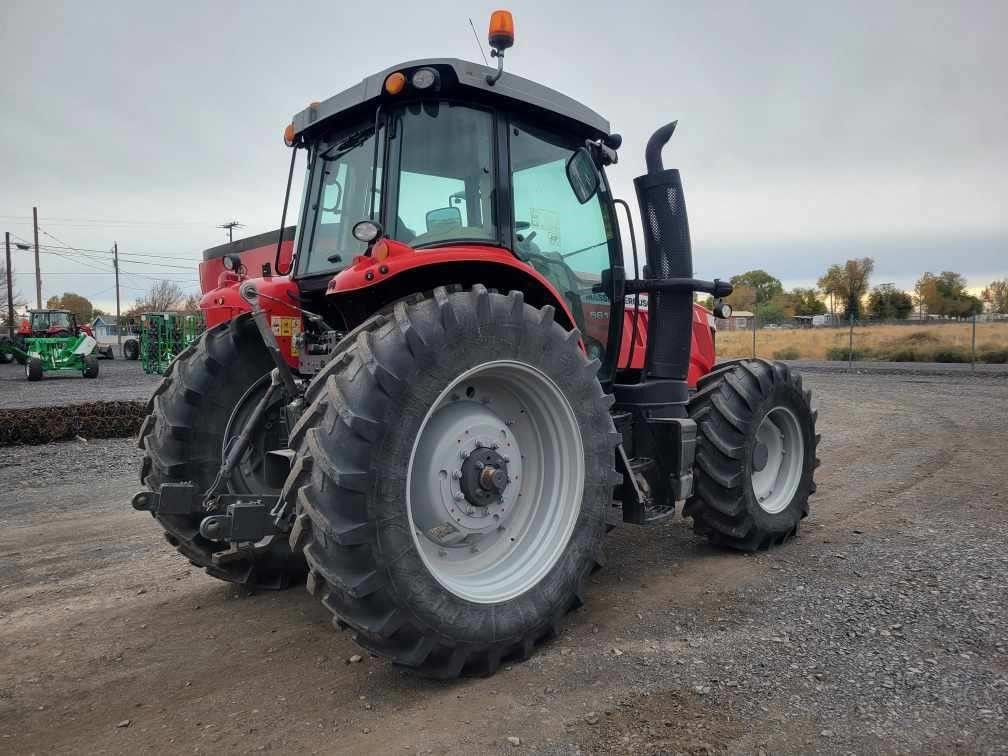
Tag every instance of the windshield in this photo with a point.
(442, 156)
(338, 195)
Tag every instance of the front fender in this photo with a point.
(226, 303)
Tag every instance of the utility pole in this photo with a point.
(10, 291)
(38, 270)
(115, 264)
(230, 226)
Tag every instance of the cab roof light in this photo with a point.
(395, 83)
(501, 30)
(288, 135)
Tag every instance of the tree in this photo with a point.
(191, 303)
(831, 285)
(765, 286)
(996, 295)
(945, 295)
(78, 305)
(777, 310)
(848, 283)
(163, 296)
(889, 303)
(925, 292)
(807, 302)
(742, 298)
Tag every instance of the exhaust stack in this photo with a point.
(669, 256)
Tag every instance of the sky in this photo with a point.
(808, 132)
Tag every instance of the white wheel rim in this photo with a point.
(488, 553)
(775, 484)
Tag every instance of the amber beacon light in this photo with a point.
(501, 38)
(501, 30)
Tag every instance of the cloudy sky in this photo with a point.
(808, 132)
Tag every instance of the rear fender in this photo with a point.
(395, 270)
(225, 303)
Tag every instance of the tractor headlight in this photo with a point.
(424, 78)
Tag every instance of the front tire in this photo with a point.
(183, 435)
(90, 369)
(393, 544)
(131, 349)
(756, 454)
(33, 369)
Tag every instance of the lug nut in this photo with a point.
(459, 497)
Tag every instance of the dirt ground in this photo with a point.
(882, 628)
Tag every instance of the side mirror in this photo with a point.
(582, 175)
(443, 219)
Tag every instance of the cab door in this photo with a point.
(575, 245)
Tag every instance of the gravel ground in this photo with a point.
(881, 629)
(118, 380)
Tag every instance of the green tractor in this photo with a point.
(52, 340)
(47, 324)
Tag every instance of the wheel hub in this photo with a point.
(484, 476)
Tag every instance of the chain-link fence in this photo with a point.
(976, 340)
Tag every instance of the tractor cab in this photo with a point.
(428, 172)
(50, 323)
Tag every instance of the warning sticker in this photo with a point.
(286, 328)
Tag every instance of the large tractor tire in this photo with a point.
(206, 394)
(90, 369)
(452, 478)
(131, 349)
(756, 454)
(33, 369)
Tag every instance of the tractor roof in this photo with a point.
(470, 76)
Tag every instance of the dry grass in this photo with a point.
(916, 341)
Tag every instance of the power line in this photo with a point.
(154, 255)
(60, 221)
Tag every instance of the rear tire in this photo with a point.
(131, 349)
(360, 454)
(183, 435)
(33, 369)
(756, 454)
(90, 369)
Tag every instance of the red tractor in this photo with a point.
(451, 392)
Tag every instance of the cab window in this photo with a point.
(566, 241)
(444, 178)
